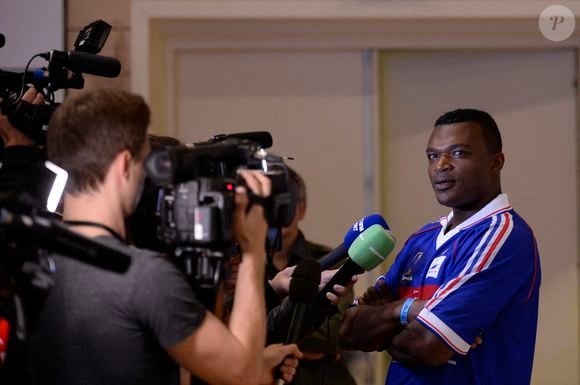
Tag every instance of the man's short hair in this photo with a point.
(90, 129)
(486, 122)
(300, 185)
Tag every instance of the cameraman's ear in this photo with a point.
(122, 163)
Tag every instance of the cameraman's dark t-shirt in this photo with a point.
(100, 327)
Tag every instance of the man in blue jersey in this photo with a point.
(471, 277)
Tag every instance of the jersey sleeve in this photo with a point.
(164, 301)
(494, 271)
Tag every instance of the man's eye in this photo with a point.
(457, 153)
(431, 156)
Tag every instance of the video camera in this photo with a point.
(65, 70)
(195, 201)
(26, 228)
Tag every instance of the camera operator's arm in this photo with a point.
(234, 355)
(10, 135)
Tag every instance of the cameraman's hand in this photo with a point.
(249, 223)
(10, 135)
(284, 355)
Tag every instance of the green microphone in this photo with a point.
(367, 251)
(371, 248)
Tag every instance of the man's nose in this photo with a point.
(443, 162)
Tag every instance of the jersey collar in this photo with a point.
(498, 204)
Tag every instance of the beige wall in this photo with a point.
(304, 100)
(79, 13)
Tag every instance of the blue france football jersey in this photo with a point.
(479, 279)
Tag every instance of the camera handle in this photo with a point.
(204, 269)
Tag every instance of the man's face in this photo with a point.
(464, 174)
(138, 175)
(291, 231)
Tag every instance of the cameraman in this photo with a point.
(20, 160)
(101, 327)
(19, 157)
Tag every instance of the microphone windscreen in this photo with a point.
(372, 247)
(307, 268)
(363, 224)
(305, 280)
(92, 64)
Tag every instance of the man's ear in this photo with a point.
(121, 164)
(497, 163)
(301, 210)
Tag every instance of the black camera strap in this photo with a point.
(99, 225)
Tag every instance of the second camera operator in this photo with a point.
(102, 327)
(20, 156)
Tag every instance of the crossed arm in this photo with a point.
(375, 325)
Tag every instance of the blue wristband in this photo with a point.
(405, 311)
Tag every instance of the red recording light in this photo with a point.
(229, 187)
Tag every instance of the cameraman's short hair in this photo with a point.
(90, 129)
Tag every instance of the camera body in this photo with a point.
(197, 213)
(195, 200)
(64, 71)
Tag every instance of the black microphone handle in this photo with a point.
(342, 277)
(318, 309)
(298, 312)
(333, 257)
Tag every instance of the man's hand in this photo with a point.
(10, 135)
(376, 295)
(281, 282)
(277, 354)
(249, 223)
(341, 291)
(478, 341)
